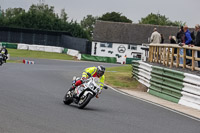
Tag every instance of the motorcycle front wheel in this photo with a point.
(1, 62)
(68, 98)
(84, 100)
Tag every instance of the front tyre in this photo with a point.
(68, 98)
(1, 61)
(84, 100)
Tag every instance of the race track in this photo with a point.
(31, 102)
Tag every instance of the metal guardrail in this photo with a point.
(164, 53)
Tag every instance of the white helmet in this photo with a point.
(100, 70)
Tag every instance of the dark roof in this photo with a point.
(127, 33)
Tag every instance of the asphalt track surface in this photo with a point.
(31, 102)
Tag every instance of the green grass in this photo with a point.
(14, 61)
(38, 54)
(121, 77)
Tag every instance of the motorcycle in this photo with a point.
(1, 59)
(83, 93)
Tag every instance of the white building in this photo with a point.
(120, 51)
(114, 39)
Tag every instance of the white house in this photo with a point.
(114, 39)
(120, 51)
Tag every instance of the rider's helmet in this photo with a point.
(100, 70)
(4, 46)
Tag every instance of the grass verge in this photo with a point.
(121, 77)
(38, 54)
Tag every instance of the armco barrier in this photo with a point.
(9, 45)
(129, 60)
(171, 85)
(65, 51)
(72, 52)
(98, 58)
(22, 46)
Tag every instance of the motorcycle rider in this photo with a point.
(4, 53)
(94, 72)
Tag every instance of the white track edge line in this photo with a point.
(167, 108)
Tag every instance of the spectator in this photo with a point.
(162, 38)
(155, 37)
(180, 36)
(193, 37)
(181, 39)
(172, 39)
(188, 41)
(197, 41)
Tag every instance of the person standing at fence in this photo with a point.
(172, 40)
(162, 38)
(180, 36)
(181, 40)
(197, 41)
(188, 40)
(155, 36)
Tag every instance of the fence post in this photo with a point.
(157, 54)
(164, 55)
(168, 53)
(172, 58)
(184, 58)
(193, 60)
(177, 57)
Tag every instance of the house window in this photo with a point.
(133, 47)
(107, 45)
(102, 45)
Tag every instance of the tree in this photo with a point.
(115, 17)
(88, 23)
(41, 16)
(157, 19)
(63, 15)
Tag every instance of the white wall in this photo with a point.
(112, 52)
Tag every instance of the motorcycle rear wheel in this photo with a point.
(85, 101)
(68, 99)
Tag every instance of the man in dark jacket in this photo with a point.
(197, 41)
(181, 36)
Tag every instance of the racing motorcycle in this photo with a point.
(83, 93)
(1, 59)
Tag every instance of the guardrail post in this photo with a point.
(168, 53)
(157, 54)
(172, 58)
(177, 57)
(193, 60)
(184, 58)
(164, 55)
(154, 58)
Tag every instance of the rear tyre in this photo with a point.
(68, 98)
(84, 100)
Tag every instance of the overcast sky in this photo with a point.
(180, 10)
